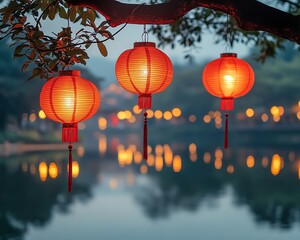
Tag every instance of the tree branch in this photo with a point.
(250, 15)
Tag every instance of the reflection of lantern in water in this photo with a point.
(207, 157)
(230, 169)
(113, 183)
(159, 163)
(159, 150)
(80, 151)
(275, 164)
(102, 144)
(53, 170)
(75, 169)
(218, 163)
(124, 157)
(137, 156)
(24, 167)
(129, 156)
(219, 153)
(151, 160)
(132, 148)
(250, 161)
(299, 170)
(102, 123)
(168, 156)
(264, 162)
(193, 152)
(193, 148)
(43, 171)
(144, 169)
(130, 179)
(32, 169)
(193, 157)
(149, 149)
(121, 156)
(177, 163)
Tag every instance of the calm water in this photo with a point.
(186, 191)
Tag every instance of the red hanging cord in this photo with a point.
(70, 169)
(145, 145)
(226, 131)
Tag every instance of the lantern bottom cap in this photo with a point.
(227, 104)
(70, 132)
(145, 101)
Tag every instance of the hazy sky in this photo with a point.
(124, 40)
(207, 51)
(132, 33)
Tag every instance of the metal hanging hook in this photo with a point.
(227, 34)
(145, 36)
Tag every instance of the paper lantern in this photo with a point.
(228, 77)
(69, 99)
(144, 70)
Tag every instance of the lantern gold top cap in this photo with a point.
(144, 44)
(228, 55)
(69, 73)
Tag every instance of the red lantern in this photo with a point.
(144, 70)
(228, 77)
(69, 99)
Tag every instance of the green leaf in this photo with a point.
(18, 25)
(102, 49)
(36, 72)
(25, 65)
(102, 24)
(62, 13)
(32, 55)
(88, 45)
(52, 12)
(77, 19)
(37, 34)
(72, 13)
(91, 15)
(107, 34)
(19, 49)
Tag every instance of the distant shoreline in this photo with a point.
(7, 148)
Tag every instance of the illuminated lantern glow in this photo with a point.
(69, 99)
(228, 77)
(144, 70)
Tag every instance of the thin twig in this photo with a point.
(91, 42)
(290, 2)
(42, 14)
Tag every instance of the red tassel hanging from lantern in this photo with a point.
(144, 70)
(69, 99)
(228, 77)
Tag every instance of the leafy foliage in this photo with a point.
(188, 31)
(21, 20)
(46, 53)
(18, 96)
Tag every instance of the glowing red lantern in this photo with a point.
(228, 77)
(69, 99)
(144, 70)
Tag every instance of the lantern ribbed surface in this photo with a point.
(68, 98)
(228, 76)
(144, 70)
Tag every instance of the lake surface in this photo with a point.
(187, 190)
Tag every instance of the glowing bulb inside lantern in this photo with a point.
(228, 85)
(228, 80)
(68, 102)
